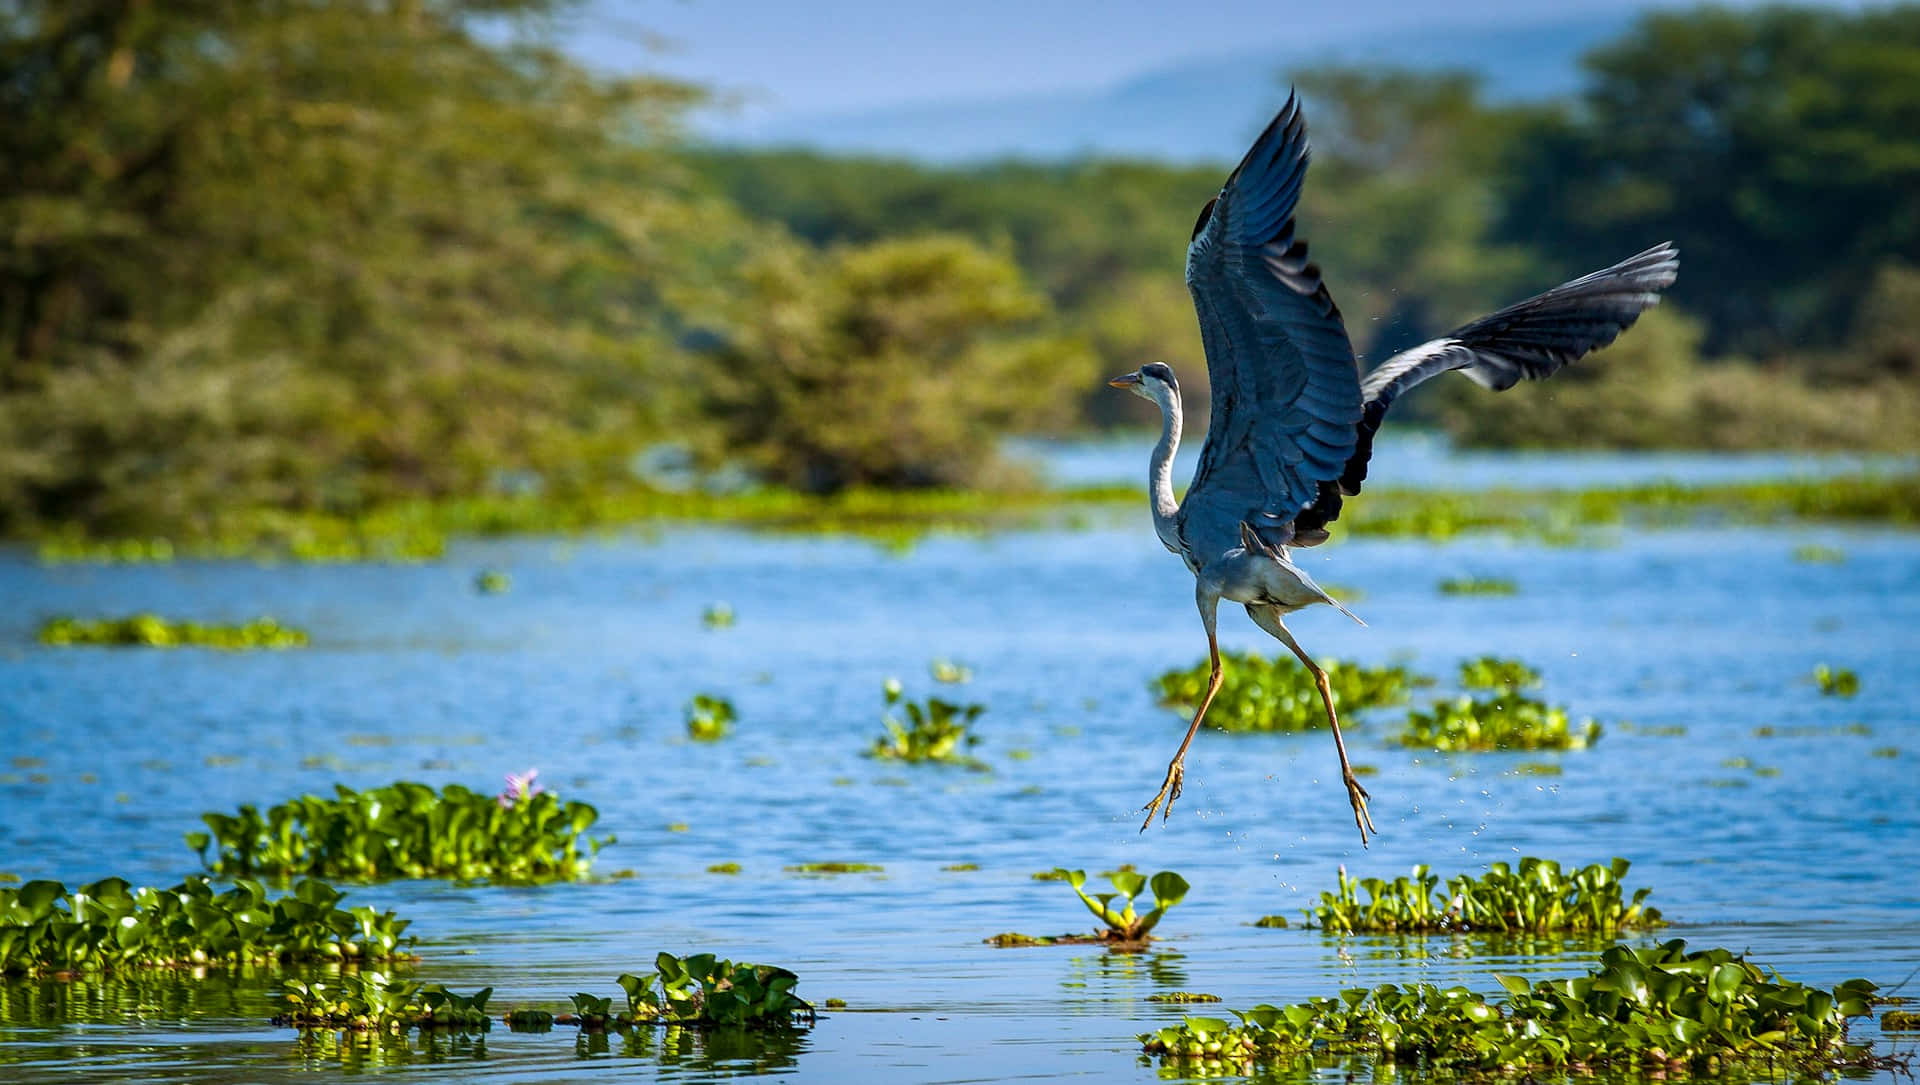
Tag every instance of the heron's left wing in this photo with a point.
(1286, 392)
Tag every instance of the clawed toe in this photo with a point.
(1362, 818)
(1169, 791)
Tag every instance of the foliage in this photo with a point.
(491, 582)
(1657, 1008)
(1260, 694)
(1900, 1020)
(836, 867)
(949, 672)
(704, 990)
(318, 256)
(935, 731)
(709, 718)
(884, 365)
(1836, 682)
(1478, 585)
(1538, 898)
(1123, 923)
(1508, 720)
(1183, 996)
(717, 616)
(1492, 672)
(528, 1020)
(153, 631)
(406, 830)
(371, 1001)
(109, 925)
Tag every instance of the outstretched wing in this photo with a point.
(1529, 340)
(1286, 391)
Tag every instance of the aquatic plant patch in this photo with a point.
(1538, 897)
(109, 925)
(1836, 681)
(1183, 996)
(1261, 694)
(1122, 923)
(375, 1002)
(1492, 672)
(152, 631)
(936, 731)
(1660, 1008)
(408, 830)
(1507, 721)
(709, 718)
(702, 989)
(1478, 585)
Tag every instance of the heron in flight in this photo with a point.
(1293, 420)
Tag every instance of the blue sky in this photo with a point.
(813, 57)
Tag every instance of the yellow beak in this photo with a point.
(1125, 382)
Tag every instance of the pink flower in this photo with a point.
(520, 787)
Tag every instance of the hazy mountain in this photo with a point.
(1202, 110)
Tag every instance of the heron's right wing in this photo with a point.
(1529, 340)
(1286, 391)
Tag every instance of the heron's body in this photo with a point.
(1292, 423)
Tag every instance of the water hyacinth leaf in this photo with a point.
(1169, 889)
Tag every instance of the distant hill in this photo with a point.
(1198, 111)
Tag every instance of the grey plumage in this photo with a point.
(1292, 424)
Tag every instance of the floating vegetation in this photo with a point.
(525, 1020)
(835, 868)
(1492, 672)
(1659, 1009)
(1900, 1021)
(491, 582)
(1888, 752)
(1539, 768)
(702, 989)
(1815, 554)
(717, 616)
(109, 925)
(960, 868)
(153, 631)
(374, 1002)
(408, 830)
(1836, 682)
(1478, 585)
(1055, 875)
(1508, 721)
(1183, 996)
(1277, 922)
(724, 868)
(936, 731)
(1124, 926)
(1812, 730)
(836, 1003)
(949, 672)
(709, 718)
(1538, 898)
(1260, 694)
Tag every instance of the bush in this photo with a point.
(894, 364)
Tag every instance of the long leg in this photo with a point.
(1209, 603)
(1268, 619)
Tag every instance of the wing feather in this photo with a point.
(1286, 391)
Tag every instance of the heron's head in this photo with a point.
(1152, 381)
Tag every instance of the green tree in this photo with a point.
(895, 364)
(320, 255)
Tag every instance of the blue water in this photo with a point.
(582, 669)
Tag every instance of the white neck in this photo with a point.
(1160, 468)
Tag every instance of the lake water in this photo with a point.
(582, 669)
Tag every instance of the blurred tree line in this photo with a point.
(322, 255)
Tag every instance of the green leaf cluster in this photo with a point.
(374, 1002)
(1659, 1008)
(934, 731)
(1261, 694)
(1492, 672)
(406, 830)
(1508, 720)
(1836, 681)
(109, 925)
(1123, 922)
(709, 718)
(702, 989)
(1537, 898)
(1478, 585)
(153, 631)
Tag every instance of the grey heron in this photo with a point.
(1293, 421)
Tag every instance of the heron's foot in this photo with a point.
(1169, 791)
(1358, 796)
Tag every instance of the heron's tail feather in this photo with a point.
(1341, 607)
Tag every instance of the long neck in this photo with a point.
(1160, 468)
